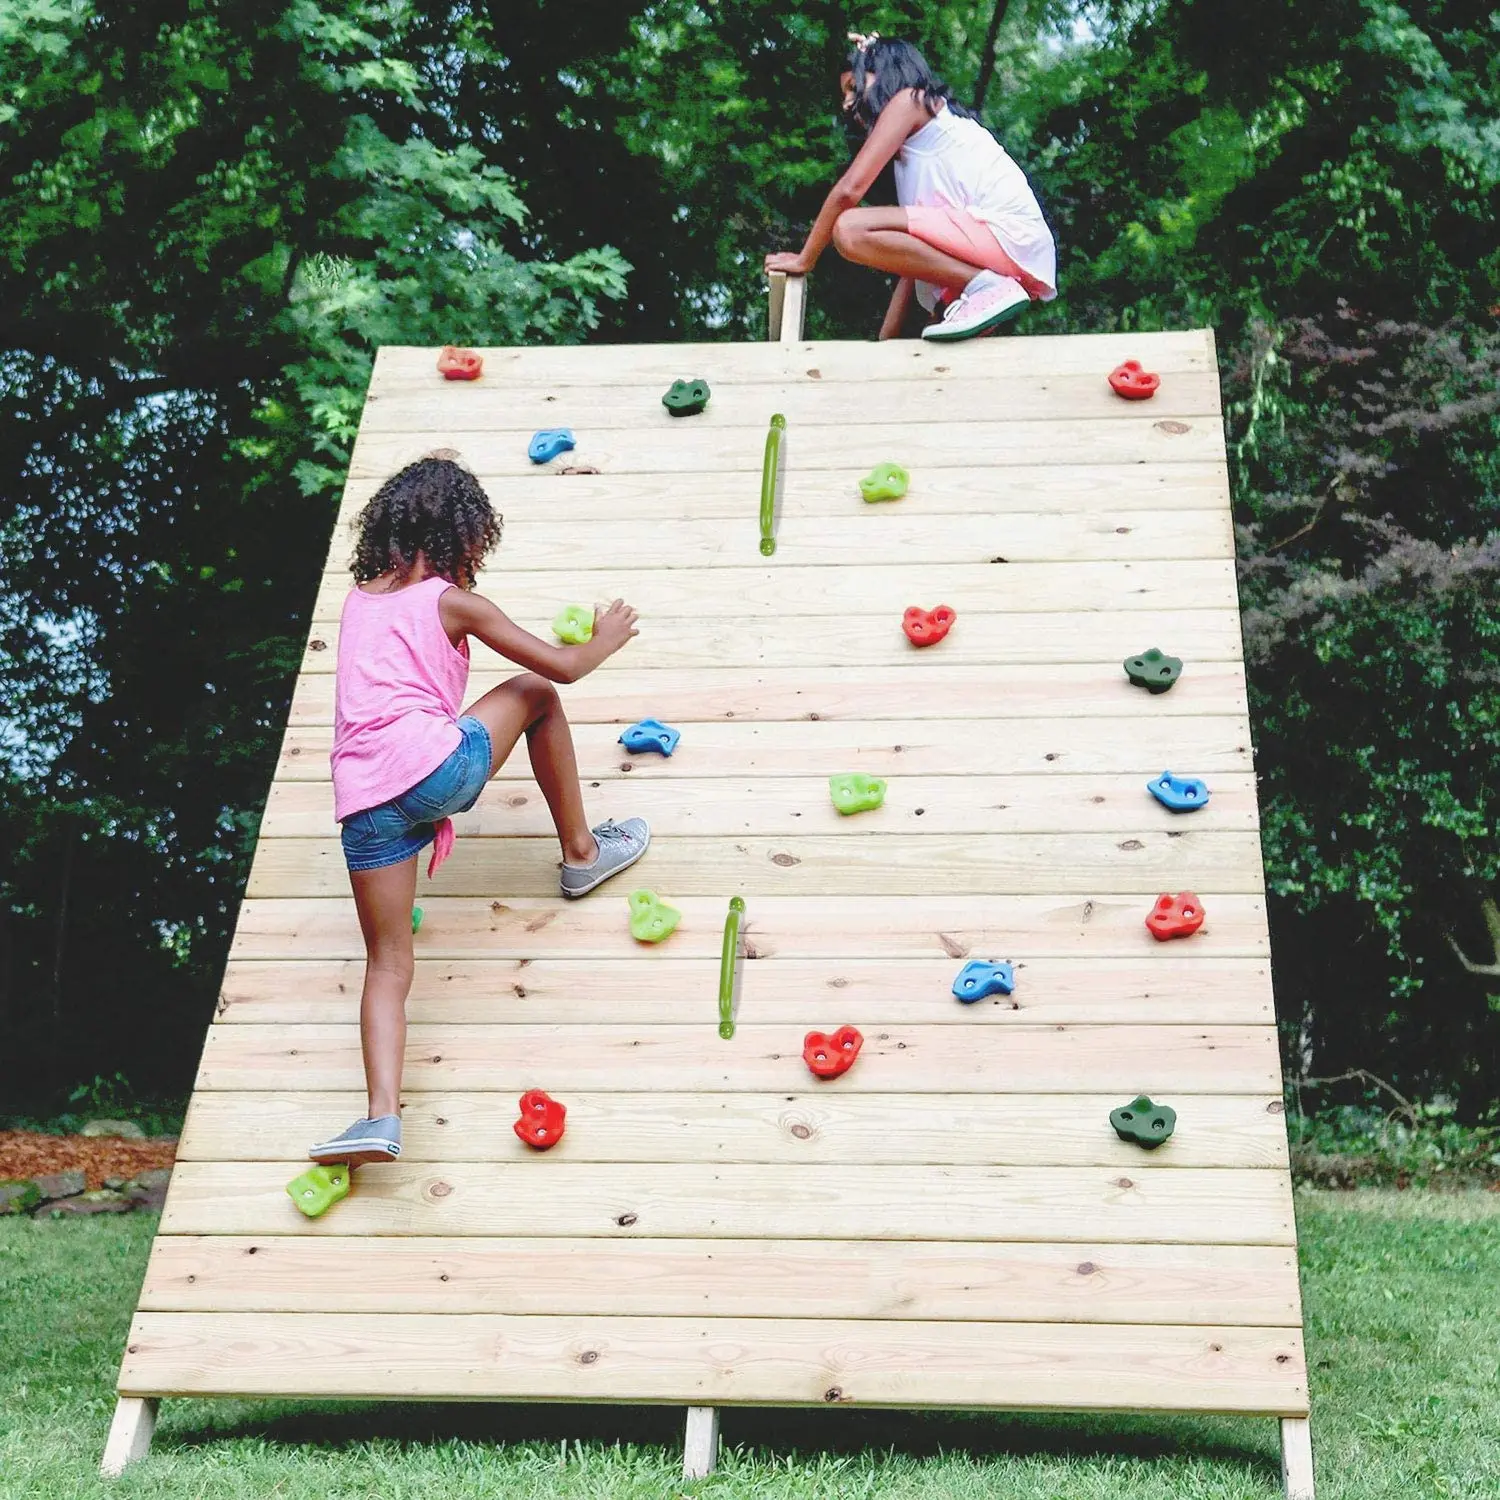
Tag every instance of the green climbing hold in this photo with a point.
(686, 397)
(1153, 670)
(320, 1187)
(574, 624)
(728, 961)
(856, 792)
(651, 919)
(416, 920)
(884, 482)
(1143, 1122)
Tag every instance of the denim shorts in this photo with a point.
(398, 829)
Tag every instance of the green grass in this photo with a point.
(1403, 1305)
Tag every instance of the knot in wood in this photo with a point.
(625, 1220)
(588, 1357)
(439, 1190)
(1087, 1268)
(317, 645)
(801, 1131)
(1124, 1182)
(835, 1393)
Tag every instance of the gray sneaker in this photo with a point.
(381, 1137)
(620, 845)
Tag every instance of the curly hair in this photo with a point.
(434, 507)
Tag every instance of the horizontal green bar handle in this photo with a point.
(768, 485)
(726, 966)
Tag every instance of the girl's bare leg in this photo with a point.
(878, 237)
(529, 705)
(383, 899)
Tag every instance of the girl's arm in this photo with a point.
(899, 119)
(464, 614)
(895, 314)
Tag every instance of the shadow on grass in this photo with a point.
(785, 1432)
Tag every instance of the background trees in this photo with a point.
(216, 211)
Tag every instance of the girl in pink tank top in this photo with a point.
(406, 757)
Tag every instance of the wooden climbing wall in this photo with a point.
(953, 1223)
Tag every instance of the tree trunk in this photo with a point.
(987, 56)
(59, 942)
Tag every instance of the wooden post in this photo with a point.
(129, 1434)
(787, 303)
(700, 1449)
(1296, 1458)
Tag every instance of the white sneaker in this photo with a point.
(987, 301)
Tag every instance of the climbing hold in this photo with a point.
(541, 1123)
(977, 979)
(416, 920)
(1175, 916)
(651, 919)
(1132, 382)
(884, 482)
(728, 964)
(459, 364)
(548, 443)
(828, 1056)
(1180, 793)
(770, 473)
(1143, 1122)
(574, 624)
(1153, 670)
(320, 1187)
(856, 792)
(686, 398)
(651, 734)
(926, 627)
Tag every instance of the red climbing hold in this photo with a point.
(1175, 916)
(459, 364)
(926, 627)
(828, 1056)
(1132, 382)
(541, 1122)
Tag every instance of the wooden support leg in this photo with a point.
(129, 1434)
(700, 1451)
(1296, 1458)
(785, 309)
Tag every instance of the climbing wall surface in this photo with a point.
(953, 1222)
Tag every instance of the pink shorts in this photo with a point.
(968, 239)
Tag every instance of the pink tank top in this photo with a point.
(397, 693)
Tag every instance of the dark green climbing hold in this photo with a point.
(1153, 670)
(686, 397)
(1143, 1122)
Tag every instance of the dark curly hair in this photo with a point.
(434, 506)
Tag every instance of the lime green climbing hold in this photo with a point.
(854, 792)
(416, 920)
(574, 624)
(686, 398)
(319, 1188)
(651, 919)
(884, 482)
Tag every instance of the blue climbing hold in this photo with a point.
(977, 979)
(548, 443)
(651, 734)
(1179, 793)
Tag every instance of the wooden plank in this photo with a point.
(835, 927)
(419, 406)
(907, 1059)
(872, 537)
(553, 495)
(1247, 1285)
(752, 1360)
(1296, 1458)
(1040, 639)
(130, 1432)
(546, 1196)
(1144, 862)
(564, 992)
(1019, 695)
(855, 446)
(874, 590)
(700, 1441)
(1011, 360)
(681, 805)
(819, 1128)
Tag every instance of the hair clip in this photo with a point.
(864, 43)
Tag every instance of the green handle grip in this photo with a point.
(726, 966)
(768, 485)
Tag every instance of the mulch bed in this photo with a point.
(24, 1153)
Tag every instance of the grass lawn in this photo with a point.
(1403, 1314)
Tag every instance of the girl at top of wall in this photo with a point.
(968, 229)
(405, 758)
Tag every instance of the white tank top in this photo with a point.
(956, 163)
